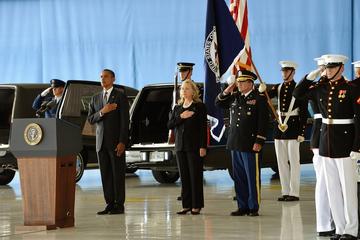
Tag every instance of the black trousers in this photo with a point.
(112, 169)
(191, 174)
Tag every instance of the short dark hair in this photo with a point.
(110, 71)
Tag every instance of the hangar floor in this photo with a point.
(150, 211)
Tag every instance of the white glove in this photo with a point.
(46, 92)
(231, 79)
(315, 74)
(355, 155)
(262, 87)
(300, 139)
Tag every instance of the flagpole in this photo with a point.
(276, 116)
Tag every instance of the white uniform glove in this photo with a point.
(231, 79)
(315, 74)
(262, 87)
(46, 92)
(300, 139)
(355, 155)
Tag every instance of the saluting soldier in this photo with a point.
(247, 134)
(289, 132)
(356, 81)
(339, 104)
(324, 222)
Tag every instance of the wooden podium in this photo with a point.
(46, 153)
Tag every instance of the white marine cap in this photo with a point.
(288, 64)
(320, 61)
(356, 64)
(333, 60)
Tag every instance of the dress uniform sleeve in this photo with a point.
(356, 104)
(203, 125)
(93, 116)
(273, 92)
(303, 115)
(262, 120)
(304, 90)
(175, 118)
(224, 100)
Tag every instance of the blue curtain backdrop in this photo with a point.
(142, 40)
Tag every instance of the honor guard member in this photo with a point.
(339, 104)
(324, 222)
(247, 134)
(185, 70)
(356, 81)
(289, 132)
(48, 100)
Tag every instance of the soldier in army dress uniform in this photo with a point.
(339, 104)
(247, 134)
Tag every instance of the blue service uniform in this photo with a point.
(50, 113)
(249, 118)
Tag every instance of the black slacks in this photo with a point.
(112, 169)
(191, 174)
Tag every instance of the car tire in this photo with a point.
(131, 170)
(6, 176)
(80, 166)
(165, 176)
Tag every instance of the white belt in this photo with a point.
(317, 115)
(294, 112)
(337, 121)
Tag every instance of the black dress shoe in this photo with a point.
(253, 213)
(283, 198)
(107, 210)
(117, 209)
(197, 212)
(347, 237)
(239, 212)
(335, 237)
(326, 233)
(184, 211)
(291, 199)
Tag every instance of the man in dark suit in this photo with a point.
(47, 102)
(109, 110)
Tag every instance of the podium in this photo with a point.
(46, 150)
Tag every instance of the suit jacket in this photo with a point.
(249, 119)
(113, 127)
(50, 113)
(190, 133)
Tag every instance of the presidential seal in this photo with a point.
(33, 134)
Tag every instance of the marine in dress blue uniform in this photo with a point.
(339, 145)
(324, 221)
(289, 133)
(249, 118)
(49, 99)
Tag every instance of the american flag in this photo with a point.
(239, 12)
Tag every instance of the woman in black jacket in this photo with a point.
(190, 123)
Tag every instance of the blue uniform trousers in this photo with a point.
(246, 172)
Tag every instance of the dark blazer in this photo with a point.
(113, 127)
(296, 124)
(190, 133)
(249, 119)
(51, 113)
(335, 100)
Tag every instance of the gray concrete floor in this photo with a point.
(151, 211)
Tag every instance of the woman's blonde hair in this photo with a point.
(195, 89)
